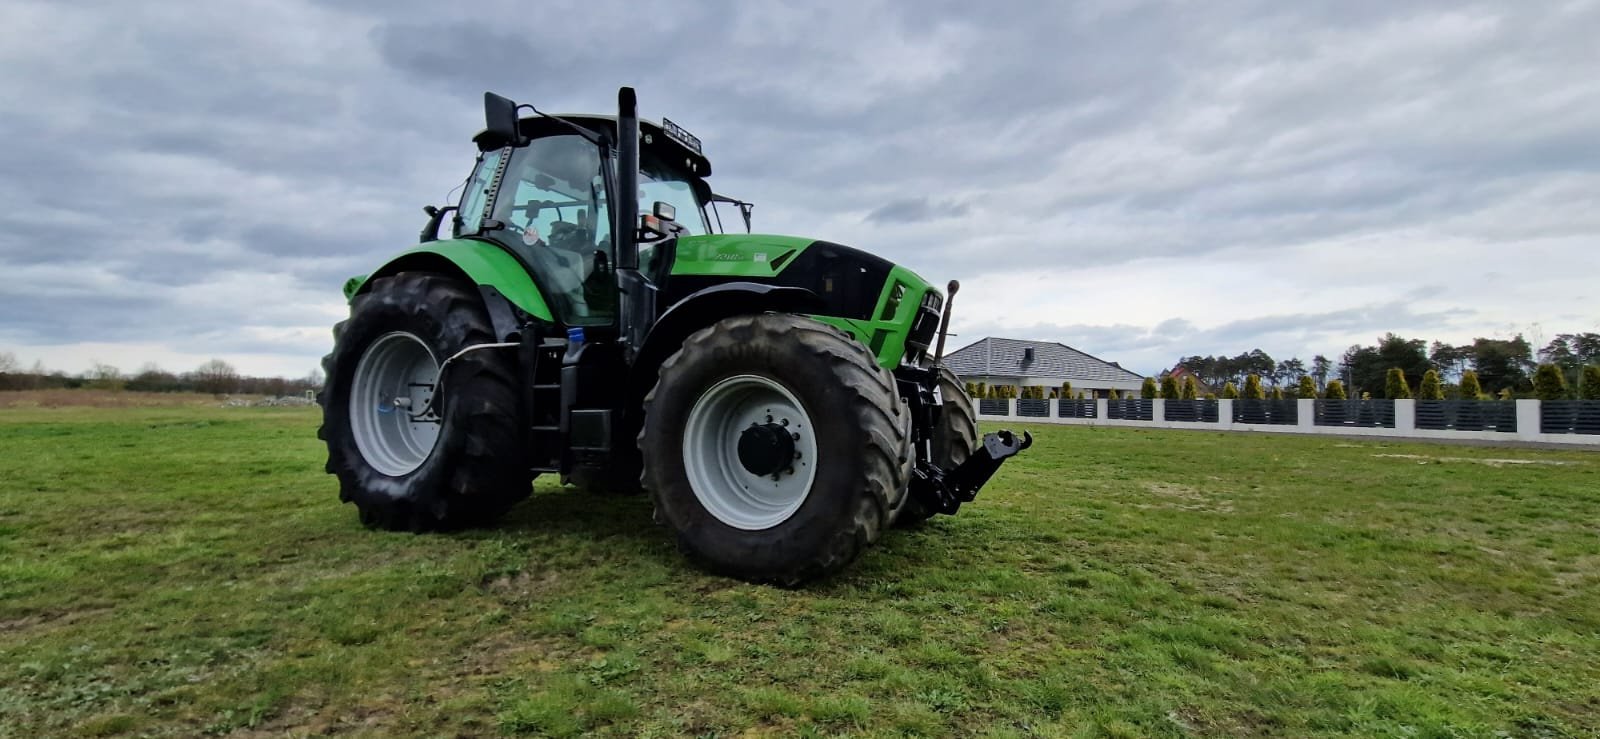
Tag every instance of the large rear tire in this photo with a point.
(954, 438)
(402, 468)
(774, 447)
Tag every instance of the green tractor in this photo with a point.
(780, 398)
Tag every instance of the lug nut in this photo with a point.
(795, 435)
(784, 422)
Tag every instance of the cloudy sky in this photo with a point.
(1141, 180)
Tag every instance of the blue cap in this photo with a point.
(575, 335)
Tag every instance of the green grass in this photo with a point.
(183, 571)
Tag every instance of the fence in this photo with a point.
(1574, 422)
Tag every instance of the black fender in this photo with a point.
(698, 310)
(705, 307)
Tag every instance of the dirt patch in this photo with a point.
(1492, 462)
(1183, 497)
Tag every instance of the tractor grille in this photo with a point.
(923, 329)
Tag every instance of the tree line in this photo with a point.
(215, 377)
(1507, 368)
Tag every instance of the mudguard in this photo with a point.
(486, 265)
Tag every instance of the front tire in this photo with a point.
(402, 468)
(774, 447)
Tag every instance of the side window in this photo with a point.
(476, 193)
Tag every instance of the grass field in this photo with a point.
(188, 570)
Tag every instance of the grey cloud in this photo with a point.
(916, 209)
(292, 143)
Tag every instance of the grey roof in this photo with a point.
(992, 357)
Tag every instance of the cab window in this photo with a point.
(552, 203)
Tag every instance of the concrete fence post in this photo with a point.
(1528, 415)
(1405, 415)
(1225, 413)
(1051, 409)
(1158, 410)
(1102, 409)
(1305, 414)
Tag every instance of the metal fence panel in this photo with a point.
(1190, 411)
(1569, 417)
(1278, 412)
(1364, 413)
(1467, 415)
(1033, 408)
(1076, 409)
(1134, 409)
(994, 406)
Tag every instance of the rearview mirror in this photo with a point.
(665, 211)
(500, 118)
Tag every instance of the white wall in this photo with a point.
(1404, 426)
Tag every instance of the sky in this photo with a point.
(1140, 180)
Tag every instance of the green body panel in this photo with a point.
(736, 255)
(485, 264)
(885, 334)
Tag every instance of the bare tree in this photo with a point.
(8, 363)
(216, 377)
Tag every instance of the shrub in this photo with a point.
(1308, 388)
(1366, 395)
(1252, 388)
(1590, 388)
(1148, 389)
(1277, 393)
(1081, 395)
(1066, 389)
(1191, 389)
(1115, 395)
(1430, 389)
(1169, 387)
(1549, 383)
(1506, 394)
(1229, 391)
(1334, 391)
(1470, 389)
(1211, 396)
(1395, 386)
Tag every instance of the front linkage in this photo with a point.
(945, 491)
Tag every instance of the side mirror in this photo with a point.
(430, 230)
(665, 211)
(500, 118)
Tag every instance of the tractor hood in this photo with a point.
(886, 306)
(850, 281)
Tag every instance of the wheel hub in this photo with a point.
(750, 452)
(766, 449)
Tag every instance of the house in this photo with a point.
(1180, 372)
(996, 361)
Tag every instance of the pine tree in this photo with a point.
(1191, 389)
(1169, 387)
(1230, 392)
(1590, 389)
(1148, 389)
(1308, 388)
(1066, 389)
(1430, 389)
(1115, 395)
(1335, 390)
(1549, 383)
(1252, 388)
(1470, 389)
(1394, 386)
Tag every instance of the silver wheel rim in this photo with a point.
(392, 386)
(721, 482)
